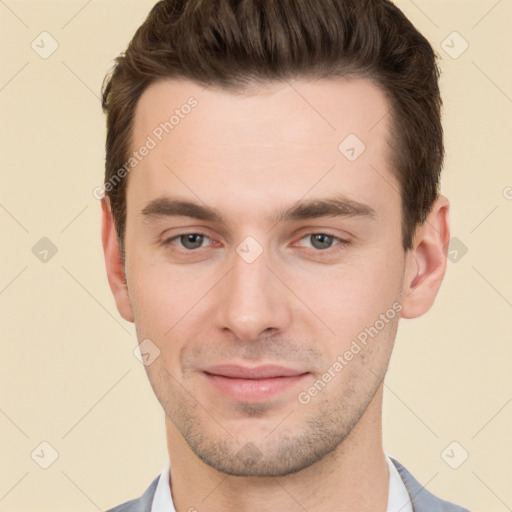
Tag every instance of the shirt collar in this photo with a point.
(398, 497)
(162, 501)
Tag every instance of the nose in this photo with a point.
(252, 301)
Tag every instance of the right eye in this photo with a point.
(188, 241)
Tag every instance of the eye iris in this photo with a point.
(324, 241)
(192, 240)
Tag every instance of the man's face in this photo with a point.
(250, 289)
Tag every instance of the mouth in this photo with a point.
(253, 384)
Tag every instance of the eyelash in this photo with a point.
(341, 242)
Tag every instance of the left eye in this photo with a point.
(322, 241)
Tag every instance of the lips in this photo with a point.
(252, 384)
(259, 372)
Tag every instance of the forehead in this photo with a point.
(279, 140)
(319, 112)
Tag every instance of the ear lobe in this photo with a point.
(426, 261)
(113, 262)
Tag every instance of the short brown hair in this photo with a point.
(238, 43)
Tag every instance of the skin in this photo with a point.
(248, 155)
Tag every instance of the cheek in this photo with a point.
(158, 298)
(350, 297)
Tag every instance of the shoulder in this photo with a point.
(423, 500)
(142, 504)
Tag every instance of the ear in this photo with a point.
(426, 261)
(113, 262)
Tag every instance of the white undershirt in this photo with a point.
(398, 497)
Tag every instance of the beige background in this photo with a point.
(68, 373)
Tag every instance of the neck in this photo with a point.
(352, 477)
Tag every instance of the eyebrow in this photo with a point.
(337, 206)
